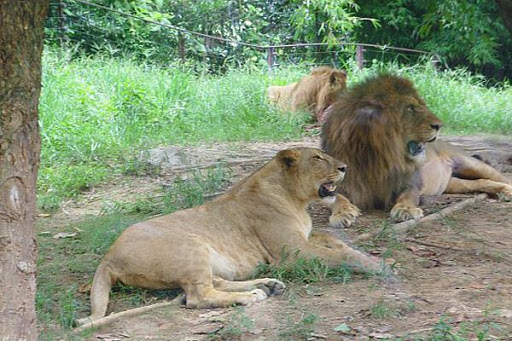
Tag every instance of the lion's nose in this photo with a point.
(436, 126)
(342, 169)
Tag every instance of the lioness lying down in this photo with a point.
(387, 134)
(210, 250)
(314, 93)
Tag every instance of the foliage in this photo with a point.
(325, 20)
(463, 33)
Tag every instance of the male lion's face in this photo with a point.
(316, 174)
(419, 125)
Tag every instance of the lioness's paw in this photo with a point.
(259, 294)
(82, 321)
(272, 286)
(507, 190)
(344, 216)
(402, 212)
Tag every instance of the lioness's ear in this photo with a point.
(288, 157)
(337, 76)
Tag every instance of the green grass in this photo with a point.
(304, 270)
(299, 330)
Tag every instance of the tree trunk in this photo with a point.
(21, 43)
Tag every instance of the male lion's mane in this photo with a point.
(315, 92)
(357, 132)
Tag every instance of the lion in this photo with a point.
(384, 130)
(314, 93)
(211, 250)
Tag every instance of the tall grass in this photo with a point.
(97, 113)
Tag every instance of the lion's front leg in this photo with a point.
(335, 252)
(406, 207)
(343, 212)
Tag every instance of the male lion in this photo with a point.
(383, 129)
(314, 93)
(210, 250)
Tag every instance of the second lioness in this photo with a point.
(210, 250)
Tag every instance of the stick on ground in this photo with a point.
(128, 313)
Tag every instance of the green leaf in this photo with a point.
(342, 328)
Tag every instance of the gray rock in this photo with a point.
(164, 157)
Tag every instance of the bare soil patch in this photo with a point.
(457, 269)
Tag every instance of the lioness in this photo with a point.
(314, 93)
(210, 250)
(386, 133)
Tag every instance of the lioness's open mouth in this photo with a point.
(327, 190)
(415, 148)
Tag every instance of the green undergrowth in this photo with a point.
(304, 270)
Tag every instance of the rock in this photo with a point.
(164, 157)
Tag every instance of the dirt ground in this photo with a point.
(457, 270)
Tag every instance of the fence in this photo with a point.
(162, 42)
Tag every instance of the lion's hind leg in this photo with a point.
(271, 286)
(473, 175)
(471, 168)
(457, 185)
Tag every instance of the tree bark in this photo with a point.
(21, 43)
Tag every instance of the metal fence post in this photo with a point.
(270, 58)
(436, 61)
(360, 56)
(181, 47)
(62, 24)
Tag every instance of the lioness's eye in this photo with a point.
(317, 157)
(410, 107)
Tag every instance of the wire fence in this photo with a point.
(92, 28)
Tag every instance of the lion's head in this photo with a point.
(315, 92)
(319, 90)
(310, 173)
(380, 128)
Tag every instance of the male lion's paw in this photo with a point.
(402, 212)
(344, 216)
(272, 286)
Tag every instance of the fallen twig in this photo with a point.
(403, 227)
(128, 313)
(446, 247)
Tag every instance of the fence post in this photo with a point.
(270, 58)
(360, 56)
(62, 24)
(181, 47)
(435, 61)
